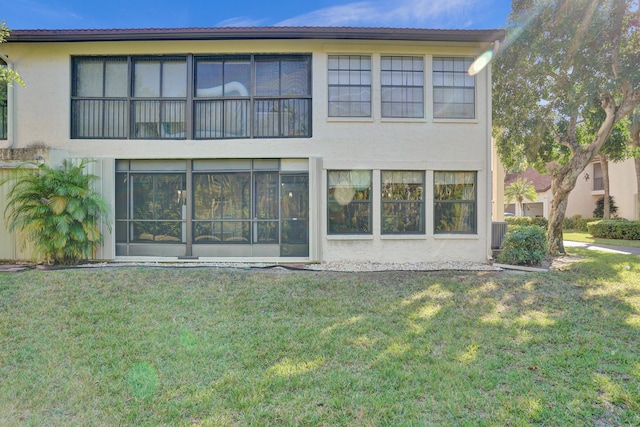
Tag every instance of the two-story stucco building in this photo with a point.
(269, 144)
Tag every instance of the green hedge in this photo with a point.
(576, 222)
(527, 220)
(523, 245)
(615, 229)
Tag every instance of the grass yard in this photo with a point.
(150, 346)
(581, 236)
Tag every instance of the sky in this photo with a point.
(96, 14)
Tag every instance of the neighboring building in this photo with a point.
(622, 187)
(542, 183)
(589, 188)
(269, 144)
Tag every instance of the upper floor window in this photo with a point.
(222, 96)
(402, 79)
(349, 86)
(453, 89)
(282, 96)
(99, 98)
(159, 97)
(598, 181)
(349, 204)
(233, 96)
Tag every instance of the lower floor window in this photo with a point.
(402, 202)
(200, 204)
(4, 113)
(455, 202)
(349, 202)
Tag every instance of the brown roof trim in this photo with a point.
(246, 33)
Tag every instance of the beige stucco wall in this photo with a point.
(497, 185)
(42, 115)
(622, 177)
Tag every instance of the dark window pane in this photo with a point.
(174, 79)
(147, 79)
(402, 86)
(402, 202)
(89, 77)
(267, 232)
(143, 198)
(121, 232)
(267, 77)
(222, 196)
(349, 203)
(458, 217)
(402, 217)
(209, 79)
(455, 202)
(122, 192)
(453, 89)
(237, 77)
(354, 217)
(157, 196)
(235, 232)
(143, 231)
(218, 77)
(349, 86)
(295, 77)
(207, 232)
(266, 195)
(159, 119)
(295, 232)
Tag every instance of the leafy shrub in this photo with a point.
(57, 209)
(615, 229)
(527, 220)
(577, 222)
(598, 212)
(524, 245)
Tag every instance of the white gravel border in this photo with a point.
(341, 266)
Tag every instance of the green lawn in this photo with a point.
(151, 346)
(581, 236)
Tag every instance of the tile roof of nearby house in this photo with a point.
(244, 33)
(541, 182)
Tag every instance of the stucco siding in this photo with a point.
(43, 116)
(622, 186)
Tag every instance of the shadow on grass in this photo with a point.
(140, 346)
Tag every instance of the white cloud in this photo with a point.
(398, 13)
(240, 22)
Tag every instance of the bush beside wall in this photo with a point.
(524, 245)
(615, 229)
(577, 222)
(527, 220)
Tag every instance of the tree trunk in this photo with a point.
(565, 177)
(518, 208)
(564, 180)
(604, 164)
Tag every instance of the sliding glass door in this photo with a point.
(211, 208)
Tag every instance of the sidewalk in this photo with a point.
(605, 248)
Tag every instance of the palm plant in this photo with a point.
(518, 191)
(57, 209)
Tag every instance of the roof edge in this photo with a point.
(246, 33)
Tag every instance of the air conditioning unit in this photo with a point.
(498, 230)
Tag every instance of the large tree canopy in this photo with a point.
(7, 75)
(560, 60)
